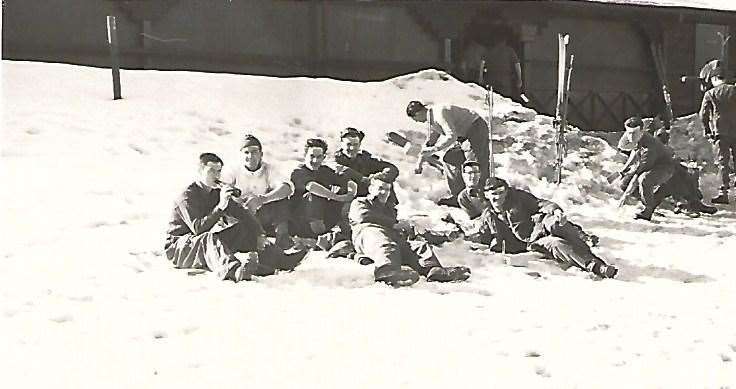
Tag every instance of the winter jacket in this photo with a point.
(718, 111)
(523, 213)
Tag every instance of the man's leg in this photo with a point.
(478, 137)
(452, 163)
(380, 245)
(573, 254)
(204, 251)
(723, 157)
(648, 181)
(274, 216)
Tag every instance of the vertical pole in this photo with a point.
(112, 41)
(492, 171)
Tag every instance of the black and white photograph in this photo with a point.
(368, 194)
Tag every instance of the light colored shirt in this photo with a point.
(253, 183)
(451, 121)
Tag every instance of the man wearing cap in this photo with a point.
(378, 235)
(650, 166)
(449, 127)
(263, 192)
(520, 222)
(319, 193)
(358, 165)
(718, 115)
(208, 231)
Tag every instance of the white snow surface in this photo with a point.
(87, 299)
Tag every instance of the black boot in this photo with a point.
(720, 199)
(645, 214)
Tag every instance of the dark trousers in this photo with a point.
(563, 243)
(310, 208)
(273, 214)
(476, 148)
(725, 150)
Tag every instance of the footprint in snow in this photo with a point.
(541, 371)
(62, 318)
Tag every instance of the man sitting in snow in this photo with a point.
(262, 191)
(473, 201)
(450, 127)
(319, 193)
(378, 235)
(210, 231)
(358, 165)
(519, 222)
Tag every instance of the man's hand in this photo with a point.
(559, 218)
(226, 193)
(426, 152)
(340, 169)
(402, 226)
(261, 242)
(254, 203)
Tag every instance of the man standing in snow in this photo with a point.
(319, 193)
(210, 231)
(718, 115)
(262, 191)
(519, 221)
(460, 134)
(650, 166)
(378, 235)
(358, 165)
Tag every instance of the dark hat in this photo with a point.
(471, 162)
(316, 142)
(493, 183)
(633, 122)
(381, 176)
(350, 131)
(414, 107)
(250, 140)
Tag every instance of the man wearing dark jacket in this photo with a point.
(210, 231)
(718, 115)
(650, 164)
(358, 165)
(378, 235)
(522, 222)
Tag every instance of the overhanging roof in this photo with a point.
(714, 5)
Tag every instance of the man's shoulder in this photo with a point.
(193, 189)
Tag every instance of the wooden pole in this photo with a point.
(112, 41)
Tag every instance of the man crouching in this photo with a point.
(209, 231)
(378, 235)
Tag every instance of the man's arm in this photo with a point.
(447, 139)
(706, 109)
(317, 189)
(282, 191)
(196, 216)
(361, 212)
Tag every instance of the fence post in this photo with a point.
(112, 41)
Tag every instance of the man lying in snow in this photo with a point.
(378, 235)
(519, 222)
(651, 165)
(210, 231)
(473, 201)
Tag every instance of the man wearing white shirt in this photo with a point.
(459, 135)
(264, 192)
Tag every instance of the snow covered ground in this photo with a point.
(87, 300)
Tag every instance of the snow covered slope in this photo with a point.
(87, 300)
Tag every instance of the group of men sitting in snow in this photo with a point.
(222, 221)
